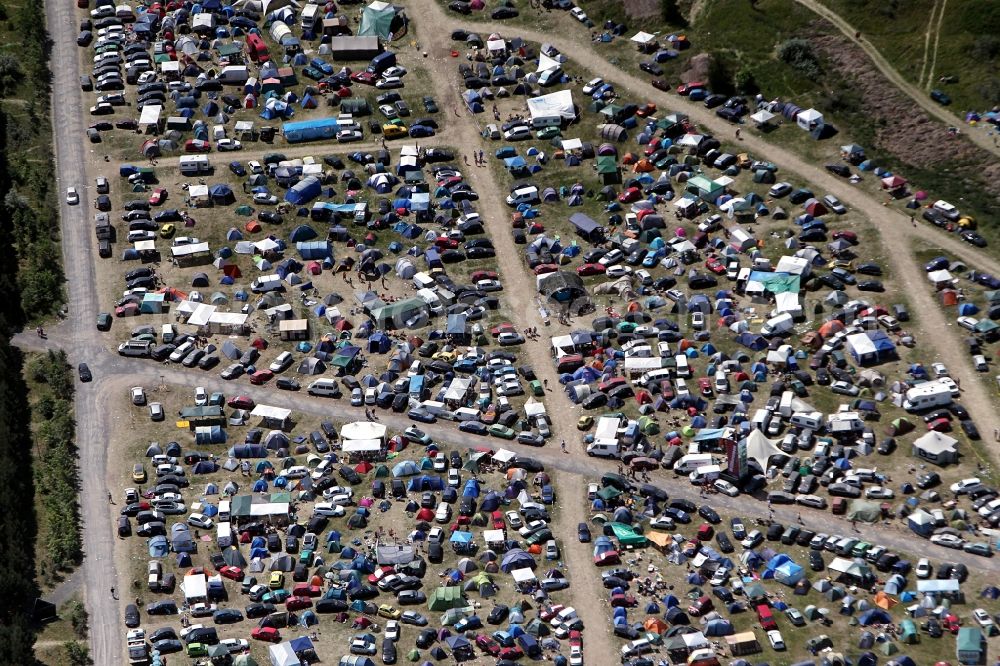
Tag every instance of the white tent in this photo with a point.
(809, 119)
(642, 37)
(559, 103)
(762, 117)
(546, 63)
(760, 448)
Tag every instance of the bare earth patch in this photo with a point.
(639, 9)
(903, 129)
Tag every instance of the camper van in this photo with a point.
(308, 17)
(194, 165)
(927, 396)
(761, 419)
(541, 122)
(812, 420)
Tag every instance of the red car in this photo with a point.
(705, 386)
(575, 638)
(379, 574)
(484, 275)
(158, 196)
(652, 147)
(542, 269)
(487, 645)
(505, 327)
(715, 266)
(269, 634)
(630, 195)
(686, 88)
(295, 603)
(261, 377)
(498, 523)
(848, 236)
(590, 269)
(242, 402)
(307, 590)
(366, 78)
(197, 146)
(511, 653)
(445, 243)
(941, 425)
(232, 573)
(549, 612)
(607, 558)
(647, 110)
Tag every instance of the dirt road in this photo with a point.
(920, 97)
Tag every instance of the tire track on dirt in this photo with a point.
(927, 45)
(937, 40)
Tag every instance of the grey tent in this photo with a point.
(231, 351)
(282, 563)
(199, 280)
(311, 366)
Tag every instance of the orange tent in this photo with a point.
(883, 600)
(831, 327)
(949, 297)
(655, 624)
(253, 226)
(685, 344)
(643, 166)
(629, 158)
(535, 549)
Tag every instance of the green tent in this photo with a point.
(608, 493)
(608, 171)
(381, 472)
(889, 648)
(376, 20)
(866, 512)
(908, 632)
(626, 535)
(413, 655)
(444, 598)
(244, 660)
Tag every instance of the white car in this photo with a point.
(349, 136)
(235, 645)
(726, 488)
(200, 396)
(982, 617)
(329, 510)
(698, 320)
(517, 133)
(265, 198)
(392, 630)
(775, 639)
(617, 270)
(226, 145)
(924, 569)
(138, 395)
(454, 478)
(395, 70)
(140, 235)
(940, 369)
(961, 487)
(578, 14)
(338, 490)
(576, 655)
(514, 519)
(443, 513)
(662, 523)
(357, 397)
(592, 85)
(255, 167)
(834, 204)
(203, 610)
(200, 520)
(967, 322)
(948, 541)
(72, 197)
(156, 411)
(879, 492)
(389, 82)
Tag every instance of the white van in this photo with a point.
(135, 348)
(683, 367)
(325, 387)
(523, 195)
(603, 449)
(653, 376)
(761, 418)
(224, 511)
(266, 283)
(705, 474)
(224, 535)
(167, 333)
(785, 406)
(178, 354)
(433, 301)
(721, 382)
(692, 462)
(777, 325)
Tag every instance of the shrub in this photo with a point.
(799, 55)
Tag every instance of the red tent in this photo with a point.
(363, 467)
(425, 514)
(259, 343)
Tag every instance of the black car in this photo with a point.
(168, 645)
(929, 480)
(84, 371)
(933, 628)
(886, 446)
(131, 616)
(165, 607)
(775, 531)
(237, 169)
(498, 614)
(287, 384)
(254, 611)
(501, 13)
(430, 106)
(162, 634)
(970, 429)
(871, 285)
(583, 533)
(709, 514)
(725, 545)
(651, 67)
